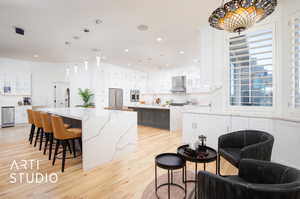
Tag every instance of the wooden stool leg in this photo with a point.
(46, 143)
(64, 155)
(31, 133)
(37, 136)
(41, 140)
(73, 145)
(55, 152)
(69, 146)
(51, 144)
(80, 143)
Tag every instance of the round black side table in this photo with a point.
(170, 162)
(198, 158)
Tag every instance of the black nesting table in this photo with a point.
(198, 157)
(170, 162)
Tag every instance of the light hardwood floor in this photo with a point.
(125, 178)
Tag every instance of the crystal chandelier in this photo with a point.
(238, 15)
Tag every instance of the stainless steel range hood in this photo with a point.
(178, 84)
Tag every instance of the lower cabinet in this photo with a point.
(157, 118)
(21, 114)
(286, 133)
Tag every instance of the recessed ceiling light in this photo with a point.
(96, 49)
(98, 60)
(126, 50)
(142, 27)
(159, 39)
(86, 66)
(35, 55)
(76, 37)
(75, 69)
(86, 30)
(68, 71)
(99, 21)
(181, 52)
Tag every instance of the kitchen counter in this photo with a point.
(195, 111)
(149, 106)
(106, 134)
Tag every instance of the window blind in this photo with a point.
(251, 69)
(296, 60)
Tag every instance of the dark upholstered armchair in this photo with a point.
(249, 144)
(256, 180)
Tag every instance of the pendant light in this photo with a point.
(238, 15)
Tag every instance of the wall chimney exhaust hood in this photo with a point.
(178, 84)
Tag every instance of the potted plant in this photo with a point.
(86, 95)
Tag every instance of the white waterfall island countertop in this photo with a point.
(149, 106)
(106, 134)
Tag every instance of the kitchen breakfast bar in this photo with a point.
(106, 134)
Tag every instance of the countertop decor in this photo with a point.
(86, 96)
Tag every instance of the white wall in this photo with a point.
(43, 75)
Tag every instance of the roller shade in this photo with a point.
(251, 69)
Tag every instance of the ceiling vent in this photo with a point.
(19, 31)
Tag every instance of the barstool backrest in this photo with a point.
(46, 122)
(37, 119)
(59, 130)
(29, 116)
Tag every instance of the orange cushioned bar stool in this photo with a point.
(30, 121)
(47, 126)
(62, 136)
(38, 123)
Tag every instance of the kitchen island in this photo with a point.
(106, 134)
(153, 115)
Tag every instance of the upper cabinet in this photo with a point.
(15, 84)
(160, 82)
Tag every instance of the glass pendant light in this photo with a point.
(239, 15)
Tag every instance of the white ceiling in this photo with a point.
(49, 24)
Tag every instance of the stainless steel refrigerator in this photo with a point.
(115, 98)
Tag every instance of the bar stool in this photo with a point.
(62, 136)
(38, 123)
(170, 162)
(47, 126)
(30, 121)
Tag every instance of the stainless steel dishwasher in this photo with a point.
(8, 116)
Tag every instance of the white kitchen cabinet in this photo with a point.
(21, 114)
(287, 141)
(189, 127)
(239, 123)
(176, 118)
(212, 126)
(260, 124)
(19, 83)
(286, 133)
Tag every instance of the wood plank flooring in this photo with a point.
(125, 178)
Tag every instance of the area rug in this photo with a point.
(176, 193)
